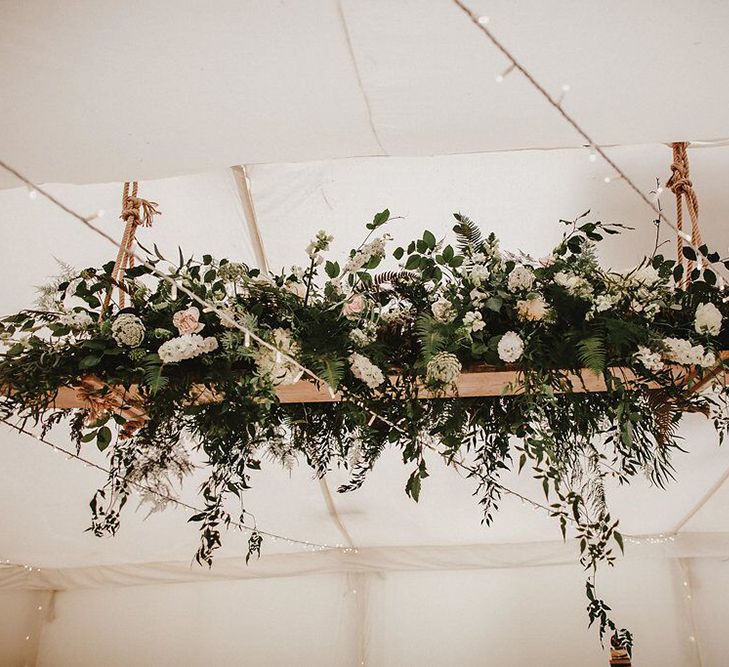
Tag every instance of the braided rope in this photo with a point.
(682, 187)
(135, 212)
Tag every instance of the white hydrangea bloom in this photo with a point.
(363, 369)
(443, 310)
(510, 347)
(681, 351)
(520, 278)
(127, 330)
(185, 347)
(473, 321)
(477, 296)
(708, 319)
(651, 360)
(443, 369)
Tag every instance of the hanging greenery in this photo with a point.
(381, 339)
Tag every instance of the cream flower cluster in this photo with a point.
(651, 360)
(520, 278)
(76, 320)
(372, 249)
(574, 284)
(681, 351)
(646, 275)
(127, 330)
(271, 364)
(363, 369)
(473, 321)
(510, 347)
(187, 346)
(533, 309)
(443, 369)
(320, 243)
(477, 274)
(363, 335)
(708, 319)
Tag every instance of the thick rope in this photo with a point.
(135, 212)
(682, 187)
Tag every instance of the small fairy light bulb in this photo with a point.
(565, 90)
(483, 20)
(500, 77)
(247, 339)
(607, 179)
(692, 638)
(32, 193)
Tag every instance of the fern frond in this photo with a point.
(429, 335)
(330, 368)
(591, 353)
(468, 234)
(153, 377)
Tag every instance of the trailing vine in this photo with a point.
(381, 339)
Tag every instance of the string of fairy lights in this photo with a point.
(595, 150)
(35, 189)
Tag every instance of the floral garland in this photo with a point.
(379, 338)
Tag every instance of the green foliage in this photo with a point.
(464, 297)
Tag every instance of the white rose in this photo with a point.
(510, 347)
(646, 275)
(708, 319)
(443, 310)
(521, 278)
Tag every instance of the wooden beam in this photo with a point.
(478, 381)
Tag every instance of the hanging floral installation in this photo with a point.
(155, 369)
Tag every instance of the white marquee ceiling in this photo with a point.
(153, 89)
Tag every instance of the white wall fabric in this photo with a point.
(519, 195)
(506, 617)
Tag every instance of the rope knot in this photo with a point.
(135, 212)
(139, 211)
(680, 184)
(679, 181)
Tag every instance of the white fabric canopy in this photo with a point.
(152, 89)
(98, 92)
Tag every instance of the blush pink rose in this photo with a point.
(353, 308)
(188, 321)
